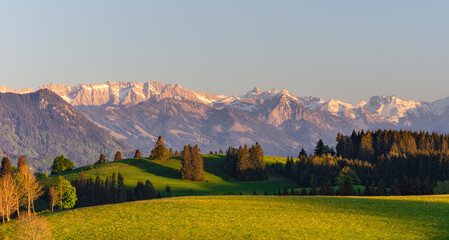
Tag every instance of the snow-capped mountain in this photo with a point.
(123, 93)
(282, 122)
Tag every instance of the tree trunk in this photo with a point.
(29, 206)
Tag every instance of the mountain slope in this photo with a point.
(139, 112)
(41, 125)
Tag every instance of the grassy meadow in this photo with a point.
(257, 217)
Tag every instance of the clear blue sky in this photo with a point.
(349, 50)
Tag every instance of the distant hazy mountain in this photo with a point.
(139, 112)
(41, 125)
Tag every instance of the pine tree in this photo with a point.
(22, 165)
(138, 154)
(168, 188)
(302, 154)
(121, 190)
(102, 159)
(139, 190)
(366, 151)
(319, 148)
(329, 189)
(303, 191)
(176, 153)
(6, 168)
(197, 164)
(340, 145)
(149, 192)
(347, 188)
(313, 190)
(395, 189)
(288, 167)
(292, 191)
(118, 156)
(381, 188)
(221, 151)
(186, 162)
(159, 151)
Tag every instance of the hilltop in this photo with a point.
(161, 173)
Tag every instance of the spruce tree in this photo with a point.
(302, 154)
(168, 188)
(149, 192)
(6, 167)
(288, 167)
(102, 159)
(366, 151)
(395, 189)
(121, 189)
(118, 156)
(139, 190)
(381, 188)
(340, 144)
(138, 154)
(22, 165)
(159, 151)
(319, 148)
(197, 164)
(186, 162)
(303, 191)
(347, 188)
(313, 191)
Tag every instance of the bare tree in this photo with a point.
(33, 191)
(9, 195)
(33, 227)
(53, 198)
(28, 184)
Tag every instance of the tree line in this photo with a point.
(395, 154)
(92, 192)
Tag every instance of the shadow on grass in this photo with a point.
(432, 215)
(153, 168)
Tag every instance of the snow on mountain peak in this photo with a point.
(390, 108)
(256, 90)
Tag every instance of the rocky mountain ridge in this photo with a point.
(138, 112)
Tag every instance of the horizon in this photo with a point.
(364, 100)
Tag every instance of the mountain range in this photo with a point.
(136, 113)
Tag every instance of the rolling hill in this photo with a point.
(161, 173)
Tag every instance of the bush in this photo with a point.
(442, 187)
(61, 164)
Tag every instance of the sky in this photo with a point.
(346, 50)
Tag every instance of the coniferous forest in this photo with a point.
(245, 163)
(409, 163)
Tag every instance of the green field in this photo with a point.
(161, 173)
(257, 217)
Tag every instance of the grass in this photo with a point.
(257, 217)
(161, 173)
